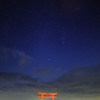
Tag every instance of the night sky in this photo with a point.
(44, 41)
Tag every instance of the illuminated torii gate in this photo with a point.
(47, 95)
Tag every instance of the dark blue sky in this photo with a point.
(46, 38)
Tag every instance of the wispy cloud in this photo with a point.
(23, 59)
(17, 81)
(41, 71)
(15, 56)
(48, 74)
(18, 77)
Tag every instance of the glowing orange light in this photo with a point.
(47, 95)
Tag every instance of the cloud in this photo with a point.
(80, 74)
(41, 71)
(18, 82)
(28, 79)
(77, 83)
(9, 76)
(18, 77)
(10, 56)
(84, 80)
(24, 59)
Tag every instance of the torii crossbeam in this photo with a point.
(47, 95)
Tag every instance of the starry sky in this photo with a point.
(40, 40)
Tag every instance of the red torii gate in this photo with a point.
(47, 95)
